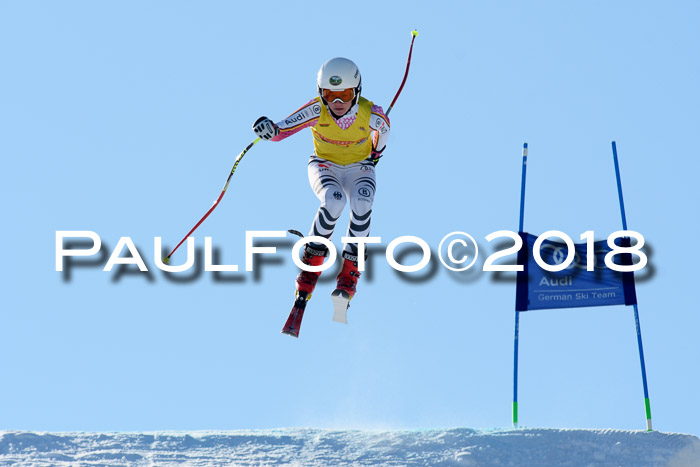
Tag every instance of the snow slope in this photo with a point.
(313, 447)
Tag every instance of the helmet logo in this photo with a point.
(335, 80)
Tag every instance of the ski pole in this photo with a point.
(166, 260)
(414, 34)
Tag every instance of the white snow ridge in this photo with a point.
(313, 447)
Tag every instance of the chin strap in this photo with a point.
(336, 116)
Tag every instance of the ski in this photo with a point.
(341, 303)
(293, 324)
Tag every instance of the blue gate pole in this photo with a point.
(522, 188)
(647, 405)
(516, 337)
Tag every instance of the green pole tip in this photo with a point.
(166, 260)
(414, 33)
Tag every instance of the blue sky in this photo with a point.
(124, 118)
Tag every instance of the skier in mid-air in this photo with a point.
(350, 135)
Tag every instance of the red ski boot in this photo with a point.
(306, 281)
(305, 284)
(345, 288)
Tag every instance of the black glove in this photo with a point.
(376, 155)
(265, 128)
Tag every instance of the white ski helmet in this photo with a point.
(338, 74)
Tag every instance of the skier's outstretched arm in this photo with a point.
(304, 117)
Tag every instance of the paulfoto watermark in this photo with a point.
(457, 251)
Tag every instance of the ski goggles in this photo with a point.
(345, 95)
